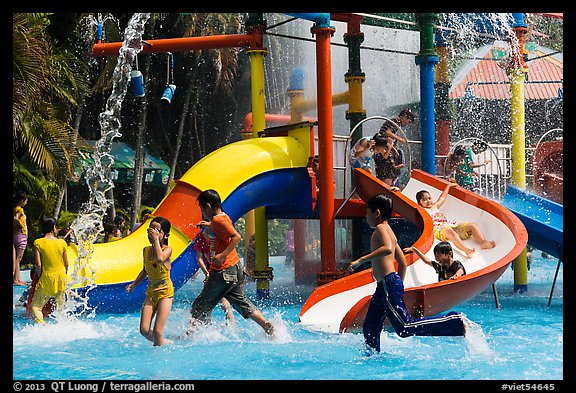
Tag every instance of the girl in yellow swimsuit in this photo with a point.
(160, 290)
(446, 230)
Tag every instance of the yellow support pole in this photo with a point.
(354, 96)
(517, 76)
(296, 100)
(262, 271)
(517, 123)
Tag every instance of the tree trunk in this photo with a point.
(182, 121)
(76, 126)
(191, 88)
(140, 152)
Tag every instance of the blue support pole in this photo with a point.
(427, 122)
(427, 59)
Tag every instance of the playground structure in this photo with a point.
(279, 160)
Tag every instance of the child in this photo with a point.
(465, 172)
(455, 232)
(202, 247)
(389, 127)
(363, 149)
(51, 266)
(389, 163)
(453, 162)
(160, 291)
(316, 170)
(388, 299)
(112, 233)
(146, 213)
(226, 278)
(120, 222)
(19, 237)
(445, 265)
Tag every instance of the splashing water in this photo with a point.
(88, 224)
(476, 340)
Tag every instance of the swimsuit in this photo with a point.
(52, 281)
(20, 238)
(159, 283)
(363, 161)
(441, 224)
(388, 302)
(445, 273)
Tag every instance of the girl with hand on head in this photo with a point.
(160, 290)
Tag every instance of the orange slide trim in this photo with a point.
(181, 208)
(367, 186)
(434, 298)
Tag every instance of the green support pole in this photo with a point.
(356, 113)
(443, 113)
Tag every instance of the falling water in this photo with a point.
(87, 30)
(88, 224)
(470, 37)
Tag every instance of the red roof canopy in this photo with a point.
(488, 80)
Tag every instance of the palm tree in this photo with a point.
(46, 84)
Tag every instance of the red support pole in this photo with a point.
(442, 143)
(325, 155)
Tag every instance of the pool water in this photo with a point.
(522, 340)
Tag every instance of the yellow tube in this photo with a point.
(258, 124)
(299, 105)
(441, 70)
(257, 85)
(355, 93)
(340, 98)
(517, 76)
(517, 124)
(296, 100)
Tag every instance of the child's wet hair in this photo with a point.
(47, 224)
(211, 197)
(420, 195)
(383, 203)
(165, 225)
(379, 139)
(443, 248)
(459, 152)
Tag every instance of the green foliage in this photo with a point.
(65, 220)
(42, 191)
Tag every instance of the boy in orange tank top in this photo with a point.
(226, 278)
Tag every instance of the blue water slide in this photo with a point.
(542, 218)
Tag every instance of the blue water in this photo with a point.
(523, 340)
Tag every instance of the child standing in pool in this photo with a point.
(226, 278)
(446, 230)
(51, 266)
(388, 299)
(202, 243)
(160, 291)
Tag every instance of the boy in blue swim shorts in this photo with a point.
(388, 299)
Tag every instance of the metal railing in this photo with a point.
(492, 180)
